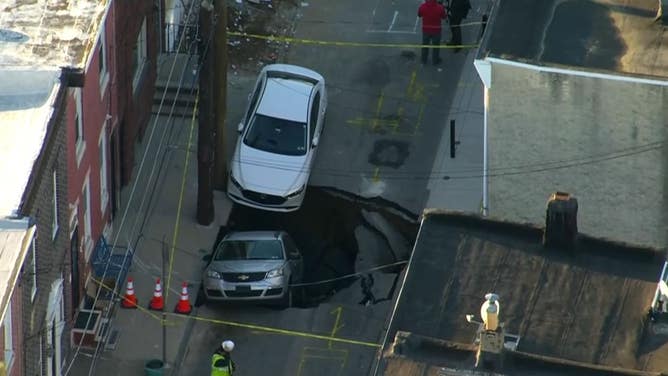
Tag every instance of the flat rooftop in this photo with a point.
(604, 35)
(587, 307)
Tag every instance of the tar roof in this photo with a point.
(588, 306)
(609, 35)
(286, 99)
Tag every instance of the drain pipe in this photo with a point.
(485, 183)
(484, 69)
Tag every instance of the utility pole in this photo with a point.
(206, 116)
(220, 95)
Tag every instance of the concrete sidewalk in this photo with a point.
(456, 183)
(157, 215)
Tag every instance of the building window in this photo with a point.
(54, 198)
(33, 269)
(8, 340)
(103, 60)
(104, 191)
(80, 145)
(139, 54)
(85, 202)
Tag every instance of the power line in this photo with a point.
(456, 174)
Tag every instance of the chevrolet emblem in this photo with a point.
(243, 277)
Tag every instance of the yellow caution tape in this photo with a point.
(279, 331)
(248, 326)
(274, 38)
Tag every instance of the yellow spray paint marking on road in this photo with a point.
(322, 356)
(284, 39)
(377, 123)
(376, 175)
(379, 107)
(337, 324)
(419, 119)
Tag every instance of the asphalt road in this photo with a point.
(385, 120)
(386, 111)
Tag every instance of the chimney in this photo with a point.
(561, 225)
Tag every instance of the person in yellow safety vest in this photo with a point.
(221, 362)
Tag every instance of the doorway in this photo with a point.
(74, 259)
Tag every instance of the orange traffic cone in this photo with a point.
(183, 306)
(129, 300)
(157, 303)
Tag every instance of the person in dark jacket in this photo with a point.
(458, 11)
(432, 14)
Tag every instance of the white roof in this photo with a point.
(26, 99)
(15, 238)
(37, 39)
(286, 99)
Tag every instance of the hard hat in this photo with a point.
(227, 345)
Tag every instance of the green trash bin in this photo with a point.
(154, 367)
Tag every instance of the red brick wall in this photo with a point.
(134, 106)
(17, 335)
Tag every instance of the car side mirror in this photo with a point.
(240, 127)
(206, 258)
(249, 95)
(314, 143)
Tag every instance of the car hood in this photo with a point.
(270, 173)
(246, 266)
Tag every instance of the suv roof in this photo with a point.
(253, 235)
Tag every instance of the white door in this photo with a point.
(55, 324)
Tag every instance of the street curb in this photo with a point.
(183, 345)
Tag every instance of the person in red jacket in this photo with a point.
(432, 14)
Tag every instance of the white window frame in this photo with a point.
(8, 338)
(141, 55)
(104, 187)
(33, 269)
(54, 197)
(103, 64)
(80, 143)
(88, 241)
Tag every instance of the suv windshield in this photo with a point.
(249, 250)
(275, 135)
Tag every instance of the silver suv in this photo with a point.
(253, 265)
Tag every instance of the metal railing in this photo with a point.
(172, 36)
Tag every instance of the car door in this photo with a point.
(315, 126)
(253, 99)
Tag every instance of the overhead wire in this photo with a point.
(458, 174)
(124, 216)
